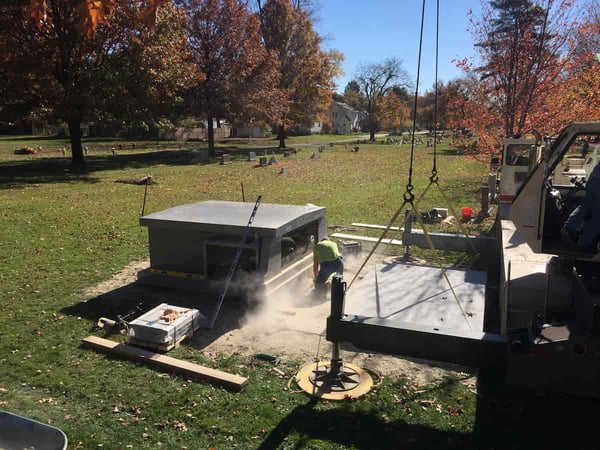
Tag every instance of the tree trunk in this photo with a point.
(77, 159)
(281, 136)
(211, 136)
(372, 134)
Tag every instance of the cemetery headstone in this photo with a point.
(263, 161)
(204, 156)
(286, 154)
(225, 159)
(251, 156)
(314, 156)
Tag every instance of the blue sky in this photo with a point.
(369, 31)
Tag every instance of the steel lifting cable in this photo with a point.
(409, 197)
(434, 178)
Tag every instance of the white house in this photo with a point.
(344, 118)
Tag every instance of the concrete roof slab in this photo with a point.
(232, 217)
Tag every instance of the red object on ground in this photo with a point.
(466, 213)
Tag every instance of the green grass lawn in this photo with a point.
(65, 231)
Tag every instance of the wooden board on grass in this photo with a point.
(189, 369)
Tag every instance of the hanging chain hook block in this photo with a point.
(408, 195)
(434, 176)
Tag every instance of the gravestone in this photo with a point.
(321, 148)
(283, 170)
(294, 150)
(331, 144)
(314, 156)
(225, 159)
(263, 161)
(273, 160)
(286, 154)
(251, 156)
(204, 156)
(355, 149)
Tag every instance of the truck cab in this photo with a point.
(519, 157)
(555, 188)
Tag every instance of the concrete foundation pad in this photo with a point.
(420, 295)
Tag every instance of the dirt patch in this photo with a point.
(291, 328)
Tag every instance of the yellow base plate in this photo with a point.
(352, 383)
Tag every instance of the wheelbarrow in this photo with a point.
(18, 433)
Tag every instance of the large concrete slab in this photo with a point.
(420, 295)
(232, 217)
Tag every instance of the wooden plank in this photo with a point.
(366, 239)
(189, 369)
(376, 227)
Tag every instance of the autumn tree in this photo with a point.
(59, 56)
(576, 93)
(393, 112)
(241, 76)
(523, 51)
(152, 72)
(376, 80)
(432, 106)
(307, 72)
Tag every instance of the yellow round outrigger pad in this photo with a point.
(350, 382)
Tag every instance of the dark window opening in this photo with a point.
(298, 243)
(219, 259)
(518, 154)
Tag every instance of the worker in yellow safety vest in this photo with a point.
(327, 260)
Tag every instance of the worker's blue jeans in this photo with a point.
(328, 268)
(587, 214)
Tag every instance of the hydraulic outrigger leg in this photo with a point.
(334, 380)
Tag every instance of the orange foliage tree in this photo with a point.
(307, 73)
(70, 58)
(528, 66)
(241, 76)
(393, 111)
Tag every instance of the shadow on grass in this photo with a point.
(59, 170)
(361, 430)
(506, 418)
(509, 417)
(125, 300)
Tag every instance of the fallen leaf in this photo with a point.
(179, 425)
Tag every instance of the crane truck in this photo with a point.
(542, 294)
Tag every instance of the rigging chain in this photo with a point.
(409, 196)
